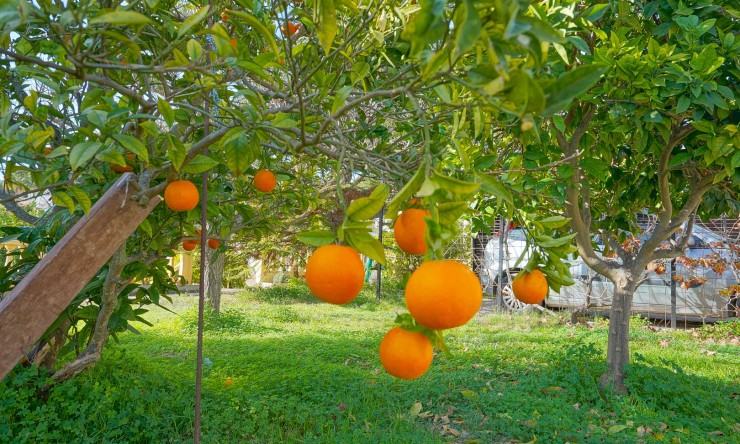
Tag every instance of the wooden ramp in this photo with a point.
(33, 305)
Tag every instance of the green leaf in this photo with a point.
(679, 159)
(368, 207)
(121, 18)
(63, 200)
(222, 39)
(594, 12)
(256, 25)
(340, 97)
(453, 185)
(176, 151)
(82, 198)
(241, 149)
(559, 123)
(491, 185)
(427, 26)
(449, 212)
(199, 164)
(468, 27)
(683, 104)
(326, 28)
(549, 242)
(132, 144)
(562, 91)
(408, 190)
(317, 238)
(195, 50)
(82, 152)
(166, 111)
(525, 93)
(98, 118)
(553, 221)
(192, 21)
(364, 243)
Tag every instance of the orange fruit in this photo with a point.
(265, 181)
(406, 354)
(443, 294)
(124, 168)
(189, 245)
(409, 231)
(233, 42)
(214, 243)
(335, 273)
(224, 16)
(530, 288)
(228, 382)
(181, 195)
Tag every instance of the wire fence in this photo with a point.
(702, 286)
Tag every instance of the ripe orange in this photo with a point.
(409, 231)
(214, 243)
(228, 382)
(233, 42)
(224, 17)
(189, 245)
(265, 181)
(129, 157)
(181, 195)
(335, 273)
(443, 294)
(292, 28)
(406, 354)
(530, 288)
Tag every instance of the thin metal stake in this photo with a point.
(379, 267)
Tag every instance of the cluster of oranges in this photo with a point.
(183, 195)
(440, 294)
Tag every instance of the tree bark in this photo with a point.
(618, 352)
(213, 278)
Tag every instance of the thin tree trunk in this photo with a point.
(213, 278)
(618, 352)
(108, 305)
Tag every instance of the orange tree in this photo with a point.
(658, 135)
(173, 90)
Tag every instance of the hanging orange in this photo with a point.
(181, 195)
(335, 273)
(265, 181)
(409, 231)
(214, 243)
(189, 245)
(406, 354)
(443, 294)
(129, 159)
(530, 288)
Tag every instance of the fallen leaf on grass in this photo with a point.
(616, 428)
(664, 343)
(707, 352)
(717, 433)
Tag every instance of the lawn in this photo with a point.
(305, 372)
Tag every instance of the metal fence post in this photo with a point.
(380, 238)
(673, 294)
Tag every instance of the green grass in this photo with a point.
(309, 372)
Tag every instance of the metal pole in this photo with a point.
(673, 294)
(499, 299)
(380, 238)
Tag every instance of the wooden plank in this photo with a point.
(33, 305)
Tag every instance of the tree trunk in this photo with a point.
(213, 278)
(108, 305)
(618, 354)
